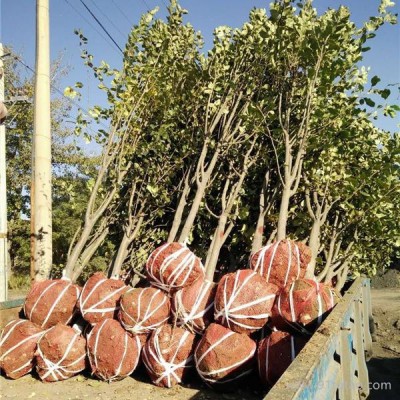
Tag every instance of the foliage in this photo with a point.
(19, 282)
(70, 168)
(269, 135)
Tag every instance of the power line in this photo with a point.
(86, 112)
(146, 4)
(122, 13)
(89, 23)
(108, 19)
(101, 25)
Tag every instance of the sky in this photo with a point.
(17, 19)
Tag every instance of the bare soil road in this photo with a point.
(384, 366)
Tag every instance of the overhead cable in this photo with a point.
(102, 26)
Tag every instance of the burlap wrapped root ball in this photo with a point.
(113, 352)
(281, 262)
(168, 355)
(61, 354)
(51, 301)
(275, 353)
(173, 266)
(100, 298)
(193, 306)
(142, 310)
(243, 301)
(18, 343)
(223, 356)
(304, 304)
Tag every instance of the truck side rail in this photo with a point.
(332, 365)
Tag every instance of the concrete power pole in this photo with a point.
(3, 190)
(41, 201)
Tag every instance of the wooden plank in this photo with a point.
(360, 350)
(304, 376)
(346, 387)
(367, 316)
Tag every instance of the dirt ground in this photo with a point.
(131, 388)
(384, 370)
(384, 365)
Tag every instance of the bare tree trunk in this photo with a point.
(77, 250)
(202, 184)
(228, 202)
(342, 276)
(121, 256)
(92, 216)
(88, 253)
(219, 239)
(230, 127)
(294, 154)
(283, 213)
(179, 211)
(258, 233)
(271, 237)
(340, 262)
(123, 250)
(314, 243)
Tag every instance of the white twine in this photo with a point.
(266, 250)
(289, 266)
(319, 300)
(93, 355)
(56, 369)
(23, 341)
(6, 333)
(187, 263)
(230, 314)
(37, 300)
(93, 308)
(296, 325)
(140, 324)
(59, 297)
(28, 364)
(56, 301)
(188, 259)
(187, 317)
(298, 260)
(291, 303)
(259, 266)
(170, 367)
(281, 313)
(207, 376)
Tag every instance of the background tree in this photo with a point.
(70, 166)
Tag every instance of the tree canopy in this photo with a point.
(268, 135)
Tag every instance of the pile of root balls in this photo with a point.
(254, 319)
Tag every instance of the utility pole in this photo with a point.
(3, 190)
(41, 201)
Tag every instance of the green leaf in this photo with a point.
(385, 93)
(70, 92)
(369, 102)
(375, 80)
